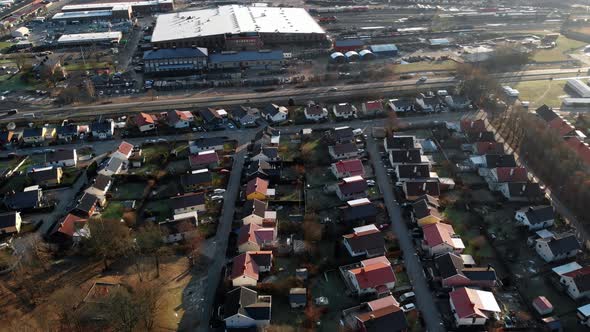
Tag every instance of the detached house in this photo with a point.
(243, 308)
(246, 267)
(34, 135)
(275, 113)
(315, 112)
(266, 153)
(262, 169)
(253, 237)
(483, 148)
(344, 111)
(47, 176)
(358, 210)
(30, 198)
(343, 151)
(400, 142)
(205, 159)
(101, 186)
(425, 211)
(372, 107)
(62, 158)
(366, 241)
(102, 129)
(257, 212)
(124, 151)
(352, 188)
(484, 136)
(72, 228)
(245, 116)
(193, 202)
(257, 188)
(179, 229)
(179, 119)
(10, 223)
(113, 166)
(452, 272)
(536, 217)
(415, 188)
(440, 239)
(343, 134)
(383, 314)
(472, 306)
(212, 117)
(196, 180)
(577, 282)
(405, 172)
(408, 156)
(506, 174)
(145, 122)
(370, 276)
(347, 168)
(67, 132)
(87, 205)
(557, 247)
(521, 191)
(206, 144)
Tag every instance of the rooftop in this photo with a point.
(90, 36)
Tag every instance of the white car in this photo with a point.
(217, 197)
(408, 307)
(422, 79)
(406, 296)
(218, 191)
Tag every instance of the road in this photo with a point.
(324, 94)
(412, 263)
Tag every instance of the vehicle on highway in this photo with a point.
(12, 111)
(333, 89)
(422, 79)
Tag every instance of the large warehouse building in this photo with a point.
(236, 27)
(149, 6)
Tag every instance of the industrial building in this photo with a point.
(247, 59)
(122, 13)
(345, 45)
(384, 50)
(337, 57)
(366, 55)
(579, 88)
(144, 7)
(575, 105)
(236, 27)
(112, 37)
(175, 60)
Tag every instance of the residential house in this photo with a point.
(72, 228)
(358, 210)
(484, 136)
(343, 151)
(408, 156)
(30, 198)
(213, 117)
(8, 137)
(405, 172)
(10, 223)
(102, 129)
(206, 144)
(145, 122)
(383, 314)
(124, 151)
(473, 126)
(440, 238)
(179, 119)
(425, 211)
(542, 305)
(265, 153)
(535, 217)
(62, 158)
(506, 174)
(101, 186)
(344, 111)
(179, 229)
(275, 113)
(196, 180)
(188, 203)
(246, 267)
(347, 168)
(67, 132)
(352, 188)
(315, 112)
(47, 176)
(453, 272)
(372, 107)
(34, 135)
(472, 306)
(298, 298)
(112, 167)
(415, 188)
(262, 169)
(429, 104)
(245, 116)
(483, 148)
(401, 105)
(557, 247)
(366, 241)
(583, 314)
(577, 282)
(87, 205)
(243, 308)
(491, 161)
(257, 188)
(400, 142)
(205, 159)
(253, 237)
(521, 191)
(370, 276)
(256, 212)
(342, 134)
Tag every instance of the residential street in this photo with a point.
(413, 265)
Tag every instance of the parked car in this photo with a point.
(408, 307)
(407, 296)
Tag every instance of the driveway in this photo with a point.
(413, 265)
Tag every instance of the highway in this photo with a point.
(332, 93)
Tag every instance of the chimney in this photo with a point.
(424, 186)
(511, 171)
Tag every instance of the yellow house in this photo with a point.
(257, 188)
(425, 211)
(50, 133)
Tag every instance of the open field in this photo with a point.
(559, 53)
(541, 92)
(425, 66)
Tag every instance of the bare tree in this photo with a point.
(64, 303)
(121, 310)
(147, 298)
(109, 239)
(149, 240)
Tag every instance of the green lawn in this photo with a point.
(128, 190)
(4, 45)
(70, 175)
(87, 66)
(541, 92)
(113, 211)
(9, 82)
(424, 66)
(559, 53)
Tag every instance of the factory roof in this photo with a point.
(114, 4)
(246, 56)
(174, 53)
(439, 41)
(82, 14)
(383, 48)
(233, 19)
(96, 36)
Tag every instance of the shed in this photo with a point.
(439, 42)
(337, 57)
(542, 305)
(366, 55)
(384, 50)
(298, 297)
(352, 56)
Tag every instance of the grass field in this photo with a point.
(541, 92)
(424, 66)
(87, 66)
(559, 53)
(4, 45)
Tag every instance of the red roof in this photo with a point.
(473, 126)
(70, 224)
(563, 127)
(245, 264)
(143, 119)
(257, 185)
(353, 167)
(511, 174)
(374, 272)
(374, 105)
(581, 148)
(542, 304)
(255, 234)
(473, 303)
(125, 148)
(204, 158)
(579, 272)
(489, 148)
(439, 233)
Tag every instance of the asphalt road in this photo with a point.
(412, 263)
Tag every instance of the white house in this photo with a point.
(371, 276)
(206, 144)
(102, 129)
(557, 247)
(577, 282)
(315, 112)
(193, 202)
(180, 119)
(178, 229)
(112, 167)
(145, 122)
(258, 213)
(440, 238)
(583, 313)
(343, 151)
(244, 308)
(62, 158)
(472, 306)
(535, 217)
(344, 111)
(275, 113)
(246, 267)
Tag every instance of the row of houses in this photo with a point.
(430, 103)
